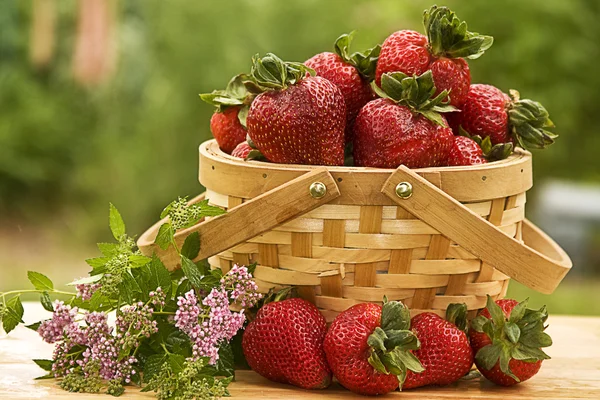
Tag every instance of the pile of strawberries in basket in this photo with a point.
(408, 101)
(373, 349)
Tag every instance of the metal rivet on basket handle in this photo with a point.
(404, 190)
(539, 263)
(251, 218)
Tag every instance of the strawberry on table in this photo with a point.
(351, 73)
(443, 51)
(284, 343)
(507, 339)
(297, 118)
(489, 112)
(368, 347)
(445, 352)
(228, 123)
(405, 126)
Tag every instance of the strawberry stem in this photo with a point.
(365, 62)
(272, 73)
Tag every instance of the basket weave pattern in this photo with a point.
(340, 255)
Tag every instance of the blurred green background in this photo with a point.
(99, 102)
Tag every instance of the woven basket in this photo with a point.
(457, 236)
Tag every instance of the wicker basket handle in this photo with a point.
(249, 219)
(539, 263)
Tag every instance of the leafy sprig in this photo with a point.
(144, 294)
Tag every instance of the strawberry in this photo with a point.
(284, 343)
(445, 351)
(405, 126)
(442, 51)
(228, 123)
(507, 338)
(368, 347)
(465, 151)
(298, 118)
(351, 73)
(247, 150)
(489, 112)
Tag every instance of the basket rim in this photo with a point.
(210, 149)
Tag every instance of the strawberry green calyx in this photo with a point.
(456, 313)
(491, 152)
(416, 93)
(529, 122)
(520, 336)
(365, 62)
(234, 95)
(448, 35)
(272, 73)
(392, 343)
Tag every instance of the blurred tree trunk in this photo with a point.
(42, 37)
(95, 45)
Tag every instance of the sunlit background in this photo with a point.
(99, 102)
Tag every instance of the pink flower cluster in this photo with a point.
(212, 322)
(215, 325)
(243, 288)
(85, 291)
(63, 321)
(96, 340)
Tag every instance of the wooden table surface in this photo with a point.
(572, 373)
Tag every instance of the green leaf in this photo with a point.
(47, 376)
(137, 260)
(225, 364)
(108, 249)
(496, 312)
(404, 339)
(536, 338)
(478, 322)
(395, 316)
(97, 262)
(40, 281)
(252, 268)
(13, 315)
(377, 339)
(165, 236)
(86, 280)
(191, 271)
(376, 363)
(176, 361)
(117, 226)
(129, 288)
(518, 312)
(35, 326)
(191, 246)
(504, 363)
(46, 302)
(489, 355)
(158, 275)
(512, 331)
(456, 313)
(243, 115)
(46, 365)
(153, 365)
(409, 360)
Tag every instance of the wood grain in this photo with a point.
(535, 269)
(572, 373)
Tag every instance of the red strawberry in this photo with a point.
(488, 112)
(445, 352)
(368, 347)
(284, 343)
(507, 338)
(297, 119)
(245, 151)
(443, 51)
(351, 73)
(242, 150)
(405, 127)
(228, 123)
(465, 151)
